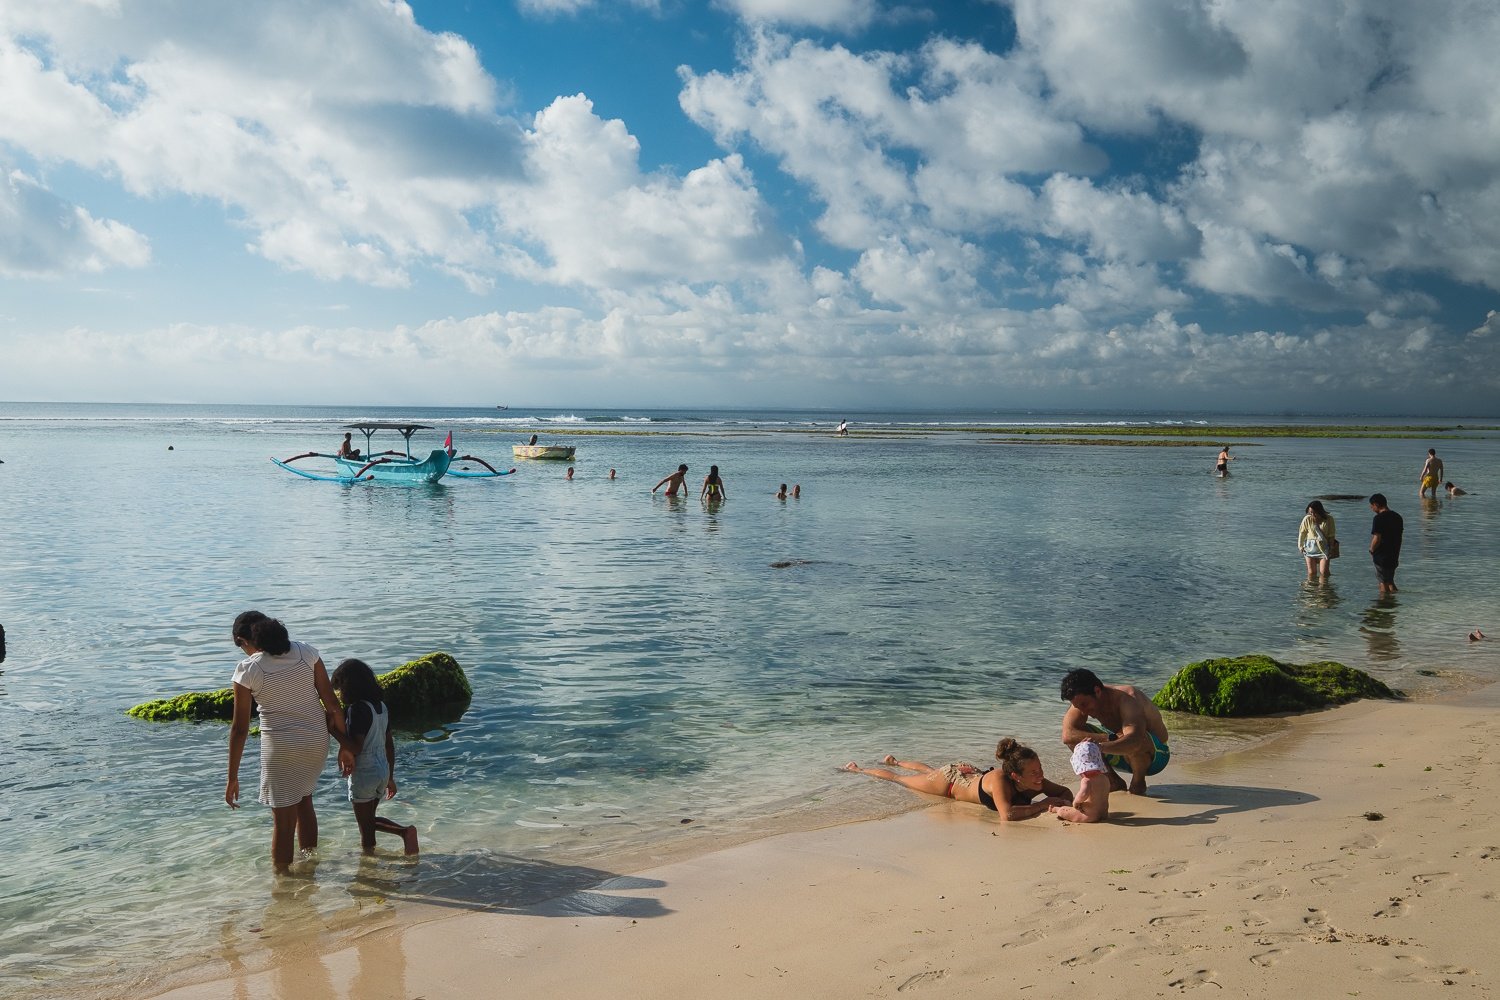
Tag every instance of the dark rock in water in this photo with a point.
(1340, 496)
(786, 563)
(1259, 685)
(430, 689)
(2, 643)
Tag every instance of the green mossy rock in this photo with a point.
(430, 690)
(1259, 685)
(195, 706)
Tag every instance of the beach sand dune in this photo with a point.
(1357, 855)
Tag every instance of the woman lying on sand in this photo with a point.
(1007, 789)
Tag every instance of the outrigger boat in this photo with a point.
(392, 466)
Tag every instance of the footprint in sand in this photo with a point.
(1395, 907)
(1198, 977)
(1253, 919)
(1168, 870)
(1266, 959)
(1090, 957)
(922, 979)
(1023, 939)
(1215, 840)
(1426, 972)
(1271, 892)
(1176, 919)
(1426, 878)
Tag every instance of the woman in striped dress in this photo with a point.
(298, 709)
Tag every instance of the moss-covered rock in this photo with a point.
(1259, 685)
(429, 690)
(195, 706)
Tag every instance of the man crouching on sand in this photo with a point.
(1135, 735)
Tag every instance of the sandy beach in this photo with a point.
(1354, 855)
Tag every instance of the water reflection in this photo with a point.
(1378, 626)
(1431, 508)
(1319, 595)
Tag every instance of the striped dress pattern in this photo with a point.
(293, 726)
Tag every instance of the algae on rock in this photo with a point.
(1259, 685)
(195, 706)
(429, 690)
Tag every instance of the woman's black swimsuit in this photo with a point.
(985, 799)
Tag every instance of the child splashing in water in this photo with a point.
(1091, 804)
(374, 775)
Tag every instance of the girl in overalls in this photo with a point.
(368, 722)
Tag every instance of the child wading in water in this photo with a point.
(374, 775)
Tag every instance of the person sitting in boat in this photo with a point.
(346, 447)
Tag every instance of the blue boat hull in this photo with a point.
(398, 469)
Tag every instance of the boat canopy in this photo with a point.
(369, 428)
(378, 426)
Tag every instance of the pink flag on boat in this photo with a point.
(448, 442)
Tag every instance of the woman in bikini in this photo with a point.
(1007, 789)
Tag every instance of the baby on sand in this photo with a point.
(1091, 804)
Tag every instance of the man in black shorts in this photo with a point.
(1385, 543)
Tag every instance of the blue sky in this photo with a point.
(1258, 205)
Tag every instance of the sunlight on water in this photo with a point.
(637, 662)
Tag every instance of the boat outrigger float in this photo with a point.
(392, 466)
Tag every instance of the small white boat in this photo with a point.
(558, 452)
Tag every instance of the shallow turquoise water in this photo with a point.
(636, 662)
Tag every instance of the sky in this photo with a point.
(1247, 205)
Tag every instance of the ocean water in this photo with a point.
(650, 676)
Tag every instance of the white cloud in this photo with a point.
(844, 15)
(848, 124)
(41, 235)
(314, 122)
(601, 223)
(557, 8)
(1116, 223)
(939, 277)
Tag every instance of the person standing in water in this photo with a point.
(1315, 537)
(713, 486)
(1222, 468)
(1385, 543)
(674, 482)
(367, 721)
(298, 711)
(1431, 476)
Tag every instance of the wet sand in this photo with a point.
(1358, 854)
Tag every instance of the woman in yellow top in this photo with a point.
(713, 487)
(1316, 540)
